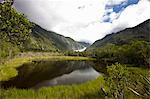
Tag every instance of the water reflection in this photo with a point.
(75, 77)
(50, 73)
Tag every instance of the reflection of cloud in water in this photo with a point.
(75, 77)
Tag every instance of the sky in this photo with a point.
(85, 20)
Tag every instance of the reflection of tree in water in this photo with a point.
(38, 71)
(99, 67)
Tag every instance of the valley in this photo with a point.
(36, 63)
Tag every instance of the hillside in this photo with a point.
(50, 41)
(140, 32)
(86, 44)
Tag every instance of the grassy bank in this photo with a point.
(8, 68)
(89, 90)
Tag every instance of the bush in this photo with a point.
(117, 79)
(8, 49)
(126, 82)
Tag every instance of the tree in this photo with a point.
(14, 27)
(117, 80)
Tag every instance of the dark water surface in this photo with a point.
(50, 73)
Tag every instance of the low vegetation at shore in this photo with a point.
(88, 90)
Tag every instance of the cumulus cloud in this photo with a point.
(133, 15)
(83, 19)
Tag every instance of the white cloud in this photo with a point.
(113, 16)
(50, 13)
(130, 17)
(133, 15)
(83, 19)
(116, 2)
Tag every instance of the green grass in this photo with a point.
(137, 70)
(88, 90)
(8, 69)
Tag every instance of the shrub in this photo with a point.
(117, 79)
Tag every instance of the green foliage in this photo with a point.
(107, 51)
(7, 49)
(127, 82)
(14, 27)
(139, 81)
(117, 79)
(15, 30)
(136, 53)
(74, 53)
(39, 44)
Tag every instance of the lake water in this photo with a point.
(51, 73)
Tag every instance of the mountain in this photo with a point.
(86, 44)
(42, 39)
(139, 32)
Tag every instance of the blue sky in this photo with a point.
(118, 8)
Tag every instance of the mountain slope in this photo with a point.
(84, 43)
(51, 41)
(140, 32)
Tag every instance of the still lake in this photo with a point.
(51, 73)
